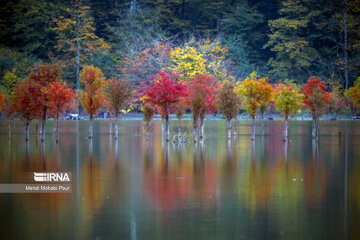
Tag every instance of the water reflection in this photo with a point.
(137, 189)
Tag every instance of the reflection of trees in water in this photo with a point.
(316, 178)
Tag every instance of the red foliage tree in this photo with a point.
(27, 102)
(43, 75)
(60, 98)
(164, 93)
(202, 100)
(316, 99)
(2, 98)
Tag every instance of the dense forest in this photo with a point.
(281, 39)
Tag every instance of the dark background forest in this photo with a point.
(281, 39)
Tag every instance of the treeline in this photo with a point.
(43, 94)
(282, 39)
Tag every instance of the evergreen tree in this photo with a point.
(289, 39)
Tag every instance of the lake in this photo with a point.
(135, 189)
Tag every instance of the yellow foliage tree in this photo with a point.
(198, 57)
(255, 92)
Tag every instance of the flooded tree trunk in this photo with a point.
(229, 129)
(286, 128)
(27, 130)
(314, 128)
(317, 128)
(43, 126)
(195, 130)
(235, 126)
(110, 126)
(201, 128)
(117, 126)
(180, 129)
(38, 128)
(167, 128)
(57, 128)
(253, 129)
(162, 126)
(91, 127)
(262, 125)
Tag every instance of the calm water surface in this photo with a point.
(133, 189)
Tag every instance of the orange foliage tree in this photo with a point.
(228, 103)
(92, 97)
(202, 100)
(254, 93)
(316, 99)
(60, 98)
(118, 93)
(43, 75)
(28, 99)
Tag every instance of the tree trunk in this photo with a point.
(38, 128)
(180, 138)
(229, 129)
(27, 130)
(286, 128)
(201, 128)
(110, 126)
(91, 127)
(167, 128)
(253, 129)
(195, 130)
(43, 126)
(262, 125)
(162, 126)
(314, 128)
(57, 128)
(78, 40)
(345, 47)
(117, 126)
(317, 128)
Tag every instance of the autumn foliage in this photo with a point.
(255, 93)
(316, 99)
(228, 102)
(353, 93)
(202, 98)
(60, 99)
(2, 99)
(288, 100)
(92, 97)
(164, 93)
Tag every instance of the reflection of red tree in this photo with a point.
(168, 189)
(316, 180)
(206, 190)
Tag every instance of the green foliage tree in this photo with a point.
(289, 40)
